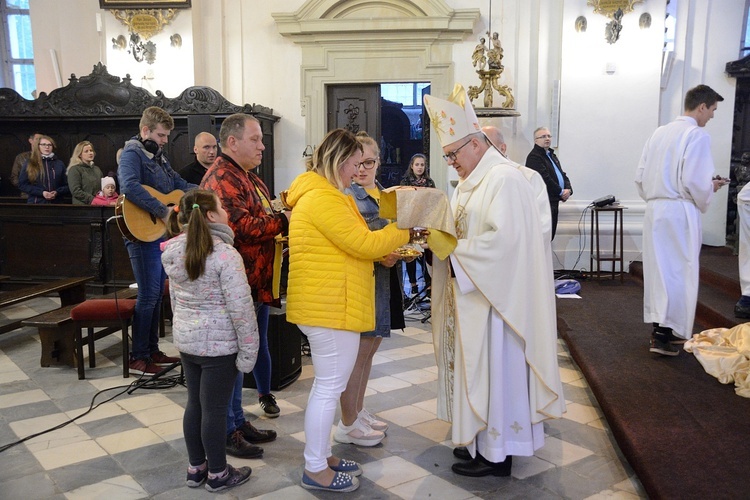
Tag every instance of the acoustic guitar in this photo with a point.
(138, 225)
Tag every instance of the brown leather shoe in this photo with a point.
(238, 447)
(253, 435)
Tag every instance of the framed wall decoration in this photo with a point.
(144, 4)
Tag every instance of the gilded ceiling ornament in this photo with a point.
(145, 22)
(609, 7)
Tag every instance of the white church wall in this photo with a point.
(707, 36)
(65, 40)
(71, 30)
(609, 105)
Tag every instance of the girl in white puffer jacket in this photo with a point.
(214, 328)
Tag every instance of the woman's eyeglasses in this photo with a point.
(368, 164)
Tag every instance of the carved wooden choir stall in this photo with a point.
(39, 243)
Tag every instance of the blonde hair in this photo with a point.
(365, 139)
(34, 166)
(75, 158)
(337, 147)
(192, 213)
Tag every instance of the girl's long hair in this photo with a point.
(191, 215)
(410, 176)
(34, 166)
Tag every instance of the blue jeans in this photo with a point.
(261, 372)
(145, 258)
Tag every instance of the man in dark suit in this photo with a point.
(542, 159)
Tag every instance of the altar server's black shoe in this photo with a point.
(461, 453)
(741, 311)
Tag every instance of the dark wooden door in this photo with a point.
(355, 108)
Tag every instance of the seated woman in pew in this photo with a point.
(84, 178)
(43, 175)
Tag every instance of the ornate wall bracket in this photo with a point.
(613, 9)
(145, 22)
(609, 7)
(489, 79)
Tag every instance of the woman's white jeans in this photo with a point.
(334, 353)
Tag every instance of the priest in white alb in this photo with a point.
(493, 304)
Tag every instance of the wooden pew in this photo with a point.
(71, 291)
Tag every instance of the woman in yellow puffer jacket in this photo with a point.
(331, 292)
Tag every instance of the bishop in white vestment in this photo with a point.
(494, 320)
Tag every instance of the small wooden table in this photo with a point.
(597, 257)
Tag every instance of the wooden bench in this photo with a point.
(71, 291)
(57, 331)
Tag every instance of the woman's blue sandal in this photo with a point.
(342, 482)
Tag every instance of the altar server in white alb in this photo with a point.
(494, 322)
(675, 177)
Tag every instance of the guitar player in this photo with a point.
(143, 163)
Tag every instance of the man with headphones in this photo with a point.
(143, 163)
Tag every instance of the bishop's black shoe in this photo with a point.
(480, 467)
(461, 453)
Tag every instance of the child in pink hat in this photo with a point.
(108, 195)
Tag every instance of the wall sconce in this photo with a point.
(142, 50)
(175, 40)
(119, 43)
(581, 24)
(644, 21)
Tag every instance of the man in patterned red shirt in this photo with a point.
(248, 203)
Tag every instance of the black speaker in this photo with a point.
(285, 345)
(198, 124)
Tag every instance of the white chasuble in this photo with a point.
(501, 252)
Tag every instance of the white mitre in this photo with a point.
(453, 119)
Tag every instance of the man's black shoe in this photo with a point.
(480, 467)
(238, 447)
(253, 435)
(741, 311)
(674, 339)
(662, 347)
(461, 453)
